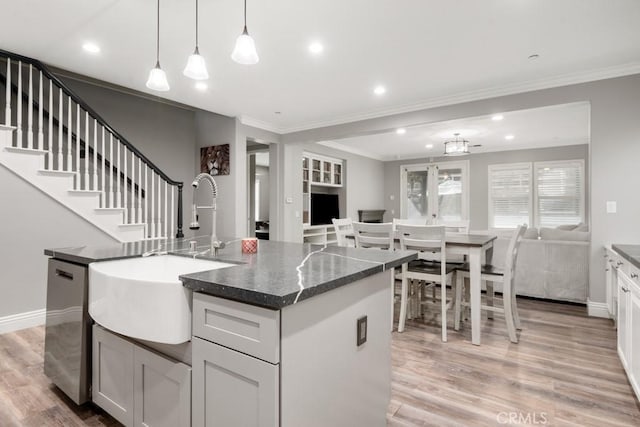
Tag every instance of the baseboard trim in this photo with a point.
(28, 319)
(597, 309)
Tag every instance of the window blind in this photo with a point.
(560, 193)
(509, 195)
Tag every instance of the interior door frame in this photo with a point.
(461, 164)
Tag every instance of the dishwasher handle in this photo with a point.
(64, 274)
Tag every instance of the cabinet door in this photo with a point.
(112, 375)
(623, 319)
(233, 389)
(634, 340)
(162, 391)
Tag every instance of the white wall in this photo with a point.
(614, 150)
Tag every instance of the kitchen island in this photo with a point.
(295, 334)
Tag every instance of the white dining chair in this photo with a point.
(429, 240)
(490, 275)
(344, 228)
(379, 236)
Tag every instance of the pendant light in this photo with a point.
(196, 68)
(157, 77)
(245, 50)
(456, 147)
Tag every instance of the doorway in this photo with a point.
(435, 192)
(258, 172)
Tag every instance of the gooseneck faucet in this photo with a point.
(215, 243)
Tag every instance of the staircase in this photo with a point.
(56, 142)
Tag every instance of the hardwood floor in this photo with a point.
(564, 372)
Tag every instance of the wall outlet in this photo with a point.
(612, 207)
(361, 331)
(288, 200)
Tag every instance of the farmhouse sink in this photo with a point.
(143, 297)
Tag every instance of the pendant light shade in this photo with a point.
(157, 78)
(245, 50)
(456, 147)
(196, 68)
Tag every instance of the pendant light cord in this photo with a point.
(158, 35)
(196, 25)
(245, 15)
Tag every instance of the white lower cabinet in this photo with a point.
(634, 340)
(224, 377)
(139, 387)
(623, 319)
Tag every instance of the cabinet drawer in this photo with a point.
(246, 328)
(634, 273)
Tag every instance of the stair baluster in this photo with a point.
(125, 192)
(173, 230)
(152, 223)
(139, 200)
(118, 199)
(40, 142)
(60, 142)
(7, 108)
(166, 208)
(159, 210)
(145, 202)
(69, 136)
(111, 193)
(30, 110)
(103, 197)
(19, 112)
(87, 144)
(50, 131)
(78, 183)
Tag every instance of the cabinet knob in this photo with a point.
(634, 275)
(625, 289)
(619, 263)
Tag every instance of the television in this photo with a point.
(324, 207)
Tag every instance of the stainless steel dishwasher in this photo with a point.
(67, 348)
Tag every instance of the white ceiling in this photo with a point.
(553, 126)
(425, 52)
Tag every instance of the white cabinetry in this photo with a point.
(624, 292)
(139, 387)
(319, 234)
(318, 171)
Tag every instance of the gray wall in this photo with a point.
(262, 175)
(614, 150)
(478, 177)
(30, 222)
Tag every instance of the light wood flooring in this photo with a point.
(564, 372)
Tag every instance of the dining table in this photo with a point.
(478, 249)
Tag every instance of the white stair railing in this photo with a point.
(100, 159)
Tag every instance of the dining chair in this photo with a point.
(491, 274)
(408, 221)
(343, 227)
(429, 240)
(456, 226)
(380, 236)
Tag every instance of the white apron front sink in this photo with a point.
(143, 297)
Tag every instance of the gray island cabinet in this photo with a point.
(295, 335)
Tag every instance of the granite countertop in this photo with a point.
(280, 274)
(629, 252)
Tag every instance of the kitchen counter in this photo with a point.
(629, 252)
(279, 275)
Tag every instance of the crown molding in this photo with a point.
(341, 147)
(260, 124)
(492, 92)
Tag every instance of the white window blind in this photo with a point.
(509, 195)
(559, 193)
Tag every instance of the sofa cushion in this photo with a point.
(567, 227)
(531, 233)
(555, 234)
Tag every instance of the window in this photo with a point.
(509, 195)
(543, 194)
(559, 193)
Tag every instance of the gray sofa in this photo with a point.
(553, 263)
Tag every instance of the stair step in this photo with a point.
(85, 192)
(55, 173)
(109, 209)
(25, 150)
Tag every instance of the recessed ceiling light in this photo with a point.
(201, 86)
(534, 57)
(379, 90)
(497, 117)
(401, 131)
(91, 47)
(509, 137)
(428, 146)
(316, 48)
